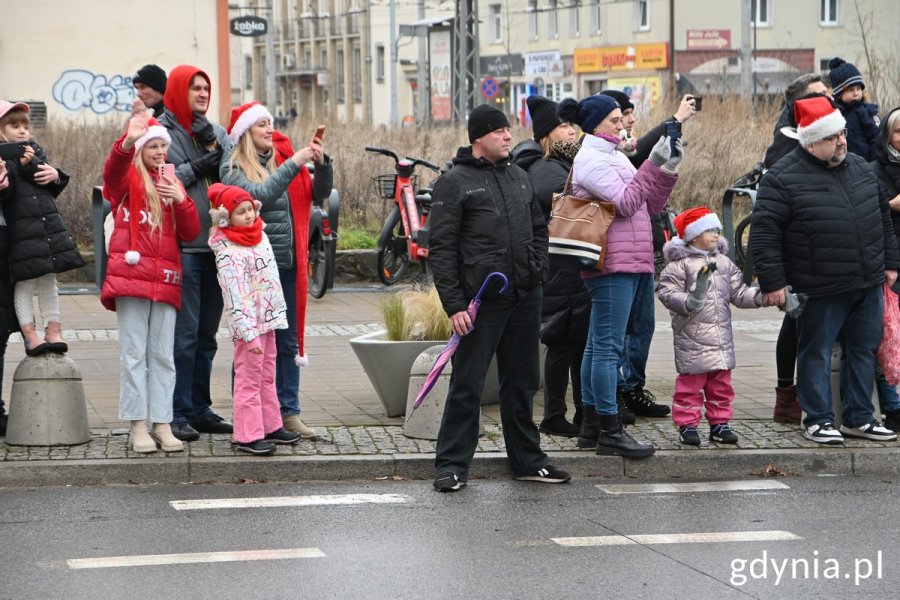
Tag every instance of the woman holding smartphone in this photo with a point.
(152, 213)
(263, 162)
(601, 171)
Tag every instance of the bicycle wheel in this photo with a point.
(393, 255)
(741, 241)
(318, 266)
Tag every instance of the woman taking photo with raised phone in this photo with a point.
(152, 214)
(263, 162)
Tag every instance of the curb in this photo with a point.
(665, 464)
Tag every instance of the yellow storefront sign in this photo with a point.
(622, 58)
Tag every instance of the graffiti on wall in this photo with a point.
(77, 89)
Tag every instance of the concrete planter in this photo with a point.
(387, 364)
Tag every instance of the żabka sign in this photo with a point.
(249, 26)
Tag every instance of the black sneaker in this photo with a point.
(448, 482)
(892, 420)
(557, 425)
(185, 432)
(625, 415)
(689, 435)
(283, 436)
(643, 403)
(547, 474)
(824, 433)
(723, 434)
(213, 424)
(870, 431)
(259, 448)
(3, 419)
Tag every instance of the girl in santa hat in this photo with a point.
(698, 286)
(263, 163)
(152, 213)
(255, 310)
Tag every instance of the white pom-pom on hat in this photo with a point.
(301, 361)
(132, 257)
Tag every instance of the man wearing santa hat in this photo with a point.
(821, 225)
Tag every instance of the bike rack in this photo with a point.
(732, 194)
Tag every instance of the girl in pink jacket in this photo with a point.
(254, 309)
(698, 286)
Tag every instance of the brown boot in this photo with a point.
(139, 439)
(787, 406)
(293, 423)
(53, 338)
(161, 433)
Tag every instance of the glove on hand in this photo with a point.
(208, 164)
(697, 296)
(671, 165)
(203, 130)
(661, 152)
(793, 303)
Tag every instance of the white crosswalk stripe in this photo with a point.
(677, 538)
(699, 486)
(192, 558)
(287, 501)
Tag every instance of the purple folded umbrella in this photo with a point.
(444, 357)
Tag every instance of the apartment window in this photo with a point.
(552, 19)
(379, 62)
(596, 17)
(339, 68)
(307, 58)
(642, 15)
(829, 12)
(761, 12)
(496, 22)
(532, 19)
(248, 72)
(323, 58)
(357, 74)
(575, 19)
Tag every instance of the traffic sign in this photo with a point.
(489, 87)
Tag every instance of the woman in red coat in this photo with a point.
(152, 212)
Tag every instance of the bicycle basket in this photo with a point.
(384, 185)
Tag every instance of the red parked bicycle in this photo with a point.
(404, 236)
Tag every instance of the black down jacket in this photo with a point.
(484, 218)
(823, 231)
(39, 241)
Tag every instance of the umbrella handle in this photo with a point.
(487, 280)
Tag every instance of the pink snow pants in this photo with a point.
(687, 400)
(256, 408)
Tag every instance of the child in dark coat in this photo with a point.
(862, 117)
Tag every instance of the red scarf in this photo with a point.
(245, 235)
(300, 196)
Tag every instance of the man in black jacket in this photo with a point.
(821, 225)
(484, 219)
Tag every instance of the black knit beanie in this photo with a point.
(843, 75)
(484, 119)
(543, 116)
(151, 76)
(622, 98)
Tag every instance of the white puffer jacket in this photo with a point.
(703, 339)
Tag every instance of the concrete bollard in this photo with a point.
(836, 388)
(47, 406)
(424, 422)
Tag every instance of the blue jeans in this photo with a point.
(195, 337)
(888, 399)
(612, 297)
(287, 373)
(632, 368)
(855, 320)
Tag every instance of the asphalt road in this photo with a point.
(805, 538)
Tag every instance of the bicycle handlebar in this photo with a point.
(392, 154)
(383, 151)
(424, 163)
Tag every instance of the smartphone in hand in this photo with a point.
(698, 103)
(320, 133)
(167, 171)
(673, 130)
(12, 150)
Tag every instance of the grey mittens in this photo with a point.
(671, 165)
(661, 152)
(793, 303)
(697, 292)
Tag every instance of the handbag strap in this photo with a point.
(567, 187)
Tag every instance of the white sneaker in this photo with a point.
(823, 433)
(870, 431)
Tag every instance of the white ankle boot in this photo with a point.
(162, 434)
(139, 439)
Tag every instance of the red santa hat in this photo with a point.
(223, 199)
(694, 221)
(244, 117)
(154, 130)
(817, 118)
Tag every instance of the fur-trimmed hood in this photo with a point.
(676, 249)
